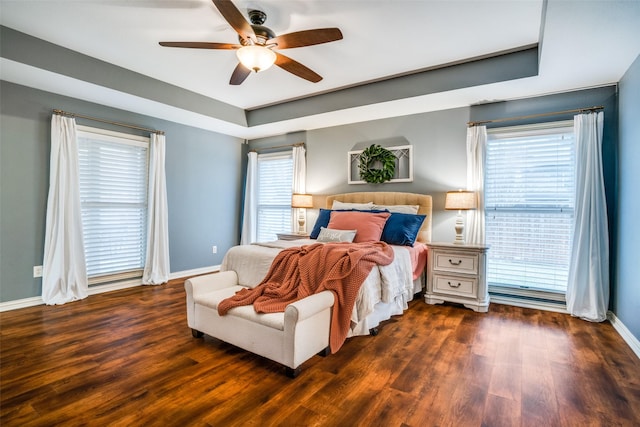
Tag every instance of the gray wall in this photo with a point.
(203, 184)
(439, 144)
(439, 158)
(626, 302)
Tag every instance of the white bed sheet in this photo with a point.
(386, 291)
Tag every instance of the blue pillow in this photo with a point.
(402, 229)
(323, 221)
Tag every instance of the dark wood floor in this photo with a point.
(127, 358)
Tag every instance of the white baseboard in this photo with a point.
(100, 289)
(625, 333)
(115, 286)
(194, 272)
(20, 303)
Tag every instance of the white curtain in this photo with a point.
(476, 152)
(64, 272)
(156, 268)
(299, 181)
(588, 284)
(250, 211)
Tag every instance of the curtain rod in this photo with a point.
(257, 150)
(65, 113)
(531, 116)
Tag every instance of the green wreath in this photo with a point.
(372, 155)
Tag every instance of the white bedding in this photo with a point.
(385, 293)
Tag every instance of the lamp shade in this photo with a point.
(256, 58)
(301, 200)
(461, 200)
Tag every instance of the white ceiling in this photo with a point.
(583, 44)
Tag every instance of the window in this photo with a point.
(113, 197)
(275, 183)
(529, 205)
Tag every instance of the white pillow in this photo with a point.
(328, 235)
(346, 206)
(406, 209)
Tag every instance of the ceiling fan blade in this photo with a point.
(201, 45)
(239, 74)
(235, 19)
(306, 38)
(294, 67)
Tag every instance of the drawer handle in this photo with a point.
(453, 286)
(455, 263)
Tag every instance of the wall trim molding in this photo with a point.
(625, 333)
(20, 303)
(194, 272)
(100, 289)
(115, 286)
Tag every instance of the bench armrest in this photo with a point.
(307, 307)
(198, 285)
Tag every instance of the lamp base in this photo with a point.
(301, 221)
(459, 230)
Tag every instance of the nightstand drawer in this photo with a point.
(458, 263)
(454, 285)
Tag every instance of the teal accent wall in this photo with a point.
(204, 184)
(626, 301)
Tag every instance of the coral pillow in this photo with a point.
(369, 225)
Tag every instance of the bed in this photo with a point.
(387, 289)
(306, 325)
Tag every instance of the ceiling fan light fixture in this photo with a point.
(256, 58)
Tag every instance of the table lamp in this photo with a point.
(460, 200)
(301, 202)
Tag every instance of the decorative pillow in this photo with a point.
(323, 221)
(402, 229)
(369, 226)
(329, 235)
(406, 209)
(348, 206)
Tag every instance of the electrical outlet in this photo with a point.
(214, 249)
(37, 271)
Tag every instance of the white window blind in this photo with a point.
(529, 202)
(113, 195)
(275, 183)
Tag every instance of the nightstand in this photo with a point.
(457, 273)
(292, 236)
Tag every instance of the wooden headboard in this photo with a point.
(423, 201)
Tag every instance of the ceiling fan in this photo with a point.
(258, 44)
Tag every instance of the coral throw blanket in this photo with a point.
(302, 271)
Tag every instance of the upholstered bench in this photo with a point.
(289, 338)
